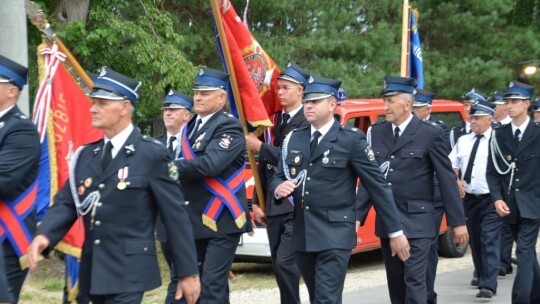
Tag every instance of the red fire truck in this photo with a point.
(359, 113)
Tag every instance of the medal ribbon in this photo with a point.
(12, 215)
(223, 192)
(123, 173)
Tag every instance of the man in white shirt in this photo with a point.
(469, 159)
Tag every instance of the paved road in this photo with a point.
(452, 287)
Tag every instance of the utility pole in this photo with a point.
(14, 38)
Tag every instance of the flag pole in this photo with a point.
(405, 39)
(237, 98)
(38, 18)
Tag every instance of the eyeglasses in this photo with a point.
(278, 89)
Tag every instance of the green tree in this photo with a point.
(465, 43)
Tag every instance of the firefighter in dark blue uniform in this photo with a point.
(119, 185)
(176, 113)
(535, 108)
(279, 213)
(19, 162)
(513, 184)
(410, 152)
(422, 109)
(318, 171)
(211, 173)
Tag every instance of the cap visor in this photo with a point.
(288, 78)
(173, 106)
(203, 87)
(103, 94)
(420, 104)
(315, 96)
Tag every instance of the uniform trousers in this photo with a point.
(215, 257)
(433, 258)
(526, 288)
(280, 237)
(407, 280)
(5, 295)
(507, 242)
(484, 227)
(15, 275)
(121, 298)
(324, 274)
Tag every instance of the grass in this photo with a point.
(45, 285)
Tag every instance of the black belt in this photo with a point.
(477, 195)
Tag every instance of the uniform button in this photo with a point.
(517, 179)
(516, 158)
(307, 192)
(186, 203)
(101, 186)
(310, 164)
(307, 208)
(145, 249)
(391, 170)
(309, 178)
(97, 242)
(517, 190)
(345, 217)
(389, 184)
(517, 169)
(99, 204)
(392, 157)
(411, 153)
(422, 207)
(97, 223)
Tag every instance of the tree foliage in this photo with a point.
(465, 43)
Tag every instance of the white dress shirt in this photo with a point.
(119, 140)
(460, 159)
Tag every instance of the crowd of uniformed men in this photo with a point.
(186, 189)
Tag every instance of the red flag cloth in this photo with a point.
(64, 110)
(255, 71)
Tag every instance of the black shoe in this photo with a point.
(509, 270)
(514, 260)
(502, 271)
(474, 282)
(485, 293)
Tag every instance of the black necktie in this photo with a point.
(195, 128)
(314, 142)
(170, 147)
(468, 171)
(516, 137)
(396, 134)
(107, 155)
(284, 122)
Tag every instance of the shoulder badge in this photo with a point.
(172, 171)
(369, 153)
(225, 141)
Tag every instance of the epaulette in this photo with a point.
(151, 139)
(350, 129)
(377, 124)
(229, 115)
(300, 128)
(20, 116)
(429, 123)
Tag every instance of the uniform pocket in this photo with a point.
(341, 216)
(420, 207)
